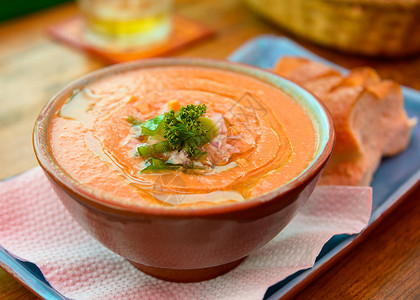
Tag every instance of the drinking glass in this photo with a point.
(126, 24)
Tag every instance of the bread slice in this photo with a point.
(368, 113)
(300, 70)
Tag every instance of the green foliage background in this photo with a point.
(14, 8)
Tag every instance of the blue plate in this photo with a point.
(394, 178)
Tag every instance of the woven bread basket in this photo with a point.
(387, 28)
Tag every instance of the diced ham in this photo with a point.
(219, 150)
(179, 158)
(219, 122)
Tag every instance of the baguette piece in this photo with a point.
(368, 114)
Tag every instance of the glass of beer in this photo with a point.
(126, 24)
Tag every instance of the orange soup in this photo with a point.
(137, 136)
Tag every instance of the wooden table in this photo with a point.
(33, 68)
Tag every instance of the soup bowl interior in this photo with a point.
(192, 243)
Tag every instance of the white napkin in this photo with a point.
(36, 227)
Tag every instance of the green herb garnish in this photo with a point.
(185, 131)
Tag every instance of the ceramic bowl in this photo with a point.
(188, 244)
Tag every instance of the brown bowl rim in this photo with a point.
(65, 181)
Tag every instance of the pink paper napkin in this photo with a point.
(36, 227)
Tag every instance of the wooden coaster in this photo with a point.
(184, 32)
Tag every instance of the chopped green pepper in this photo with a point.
(153, 126)
(133, 121)
(209, 128)
(149, 150)
(154, 164)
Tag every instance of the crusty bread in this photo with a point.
(368, 113)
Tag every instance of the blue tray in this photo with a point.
(395, 177)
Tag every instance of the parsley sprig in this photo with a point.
(183, 129)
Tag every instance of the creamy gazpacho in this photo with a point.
(181, 136)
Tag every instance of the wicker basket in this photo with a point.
(387, 28)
